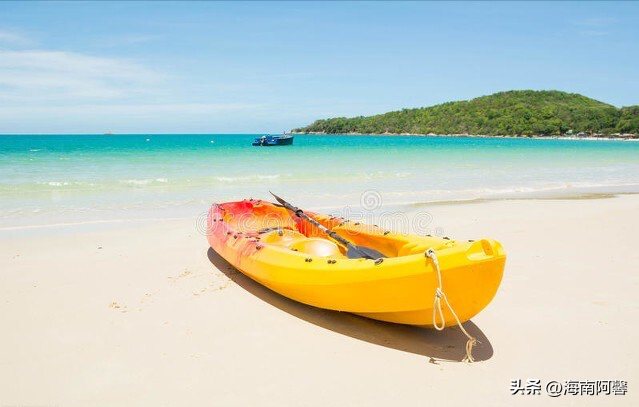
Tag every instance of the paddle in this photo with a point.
(352, 251)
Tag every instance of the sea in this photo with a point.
(72, 179)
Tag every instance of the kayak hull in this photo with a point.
(294, 259)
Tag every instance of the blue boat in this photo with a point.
(267, 141)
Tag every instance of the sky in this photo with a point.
(258, 66)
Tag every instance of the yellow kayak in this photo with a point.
(287, 254)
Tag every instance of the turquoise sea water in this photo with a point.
(47, 179)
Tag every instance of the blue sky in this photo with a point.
(216, 67)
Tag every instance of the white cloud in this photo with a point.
(13, 38)
(137, 110)
(62, 91)
(128, 118)
(595, 26)
(40, 75)
(593, 33)
(126, 40)
(595, 22)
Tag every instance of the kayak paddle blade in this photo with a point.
(362, 252)
(280, 200)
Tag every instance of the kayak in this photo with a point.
(289, 255)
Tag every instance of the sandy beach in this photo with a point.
(144, 314)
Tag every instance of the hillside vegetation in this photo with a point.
(512, 113)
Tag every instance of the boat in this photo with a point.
(406, 284)
(269, 140)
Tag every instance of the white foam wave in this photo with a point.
(144, 181)
(64, 183)
(248, 178)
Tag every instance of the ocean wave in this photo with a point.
(254, 177)
(146, 181)
(65, 183)
(416, 198)
(575, 190)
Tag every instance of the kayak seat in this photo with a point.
(282, 237)
(317, 247)
(296, 241)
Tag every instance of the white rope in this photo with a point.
(437, 308)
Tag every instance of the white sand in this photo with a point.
(151, 319)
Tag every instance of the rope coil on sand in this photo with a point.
(437, 308)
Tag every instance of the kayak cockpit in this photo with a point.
(279, 227)
(298, 242)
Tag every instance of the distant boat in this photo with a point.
(108, 133)
(267, 141)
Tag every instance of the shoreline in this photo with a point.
(199, 219)
(616, 137)
(621, 137)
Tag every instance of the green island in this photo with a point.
(519, 113)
